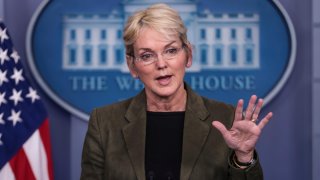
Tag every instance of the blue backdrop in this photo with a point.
(285, 147)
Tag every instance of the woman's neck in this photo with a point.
(175, 102)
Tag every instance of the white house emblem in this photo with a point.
(77, 54)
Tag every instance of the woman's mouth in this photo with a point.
(164, 80)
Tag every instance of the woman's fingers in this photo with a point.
(251, 107)
(265, 120)
(257, 110)
(223, 130)
(239, 111)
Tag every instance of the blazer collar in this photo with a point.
(194, 134)
(134, 133)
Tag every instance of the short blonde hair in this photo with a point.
(159, 17)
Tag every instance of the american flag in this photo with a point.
(24, 130)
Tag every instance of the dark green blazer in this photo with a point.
(114, 146)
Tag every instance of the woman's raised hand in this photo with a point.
(246, 129)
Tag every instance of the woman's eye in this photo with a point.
(171, 51)
(146, 57)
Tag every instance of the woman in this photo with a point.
(168, 131)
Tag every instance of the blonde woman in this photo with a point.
(167, 131)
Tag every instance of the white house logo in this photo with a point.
(241, 48)
(225, 41)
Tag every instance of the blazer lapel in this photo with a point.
(194, 134)
(135, 132)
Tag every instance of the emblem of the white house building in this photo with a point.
(241, 47)
(221, 40)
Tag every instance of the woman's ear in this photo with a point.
(189, 55)
(131, 66)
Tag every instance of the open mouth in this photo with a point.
(164, 80)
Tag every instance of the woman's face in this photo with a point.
(164, 76)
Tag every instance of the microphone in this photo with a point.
(169, 175)
(150, 175)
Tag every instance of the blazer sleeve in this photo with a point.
(254, 172)
(92, 164)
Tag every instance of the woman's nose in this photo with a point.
(161, 62)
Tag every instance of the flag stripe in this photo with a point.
(37, 157)
(45, 136)
(7, 172)
(21, 167)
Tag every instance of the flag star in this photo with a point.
(32, 95)
(1, 119)
(3, 77)
(15, 117)
(4, 56)
(3, 34)
(17, 75)
(16, 96)
(2, 98)
(1, 143)
(15, 56)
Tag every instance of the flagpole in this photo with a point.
(1, 10)
(78, 129)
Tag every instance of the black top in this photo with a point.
(164, 136)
